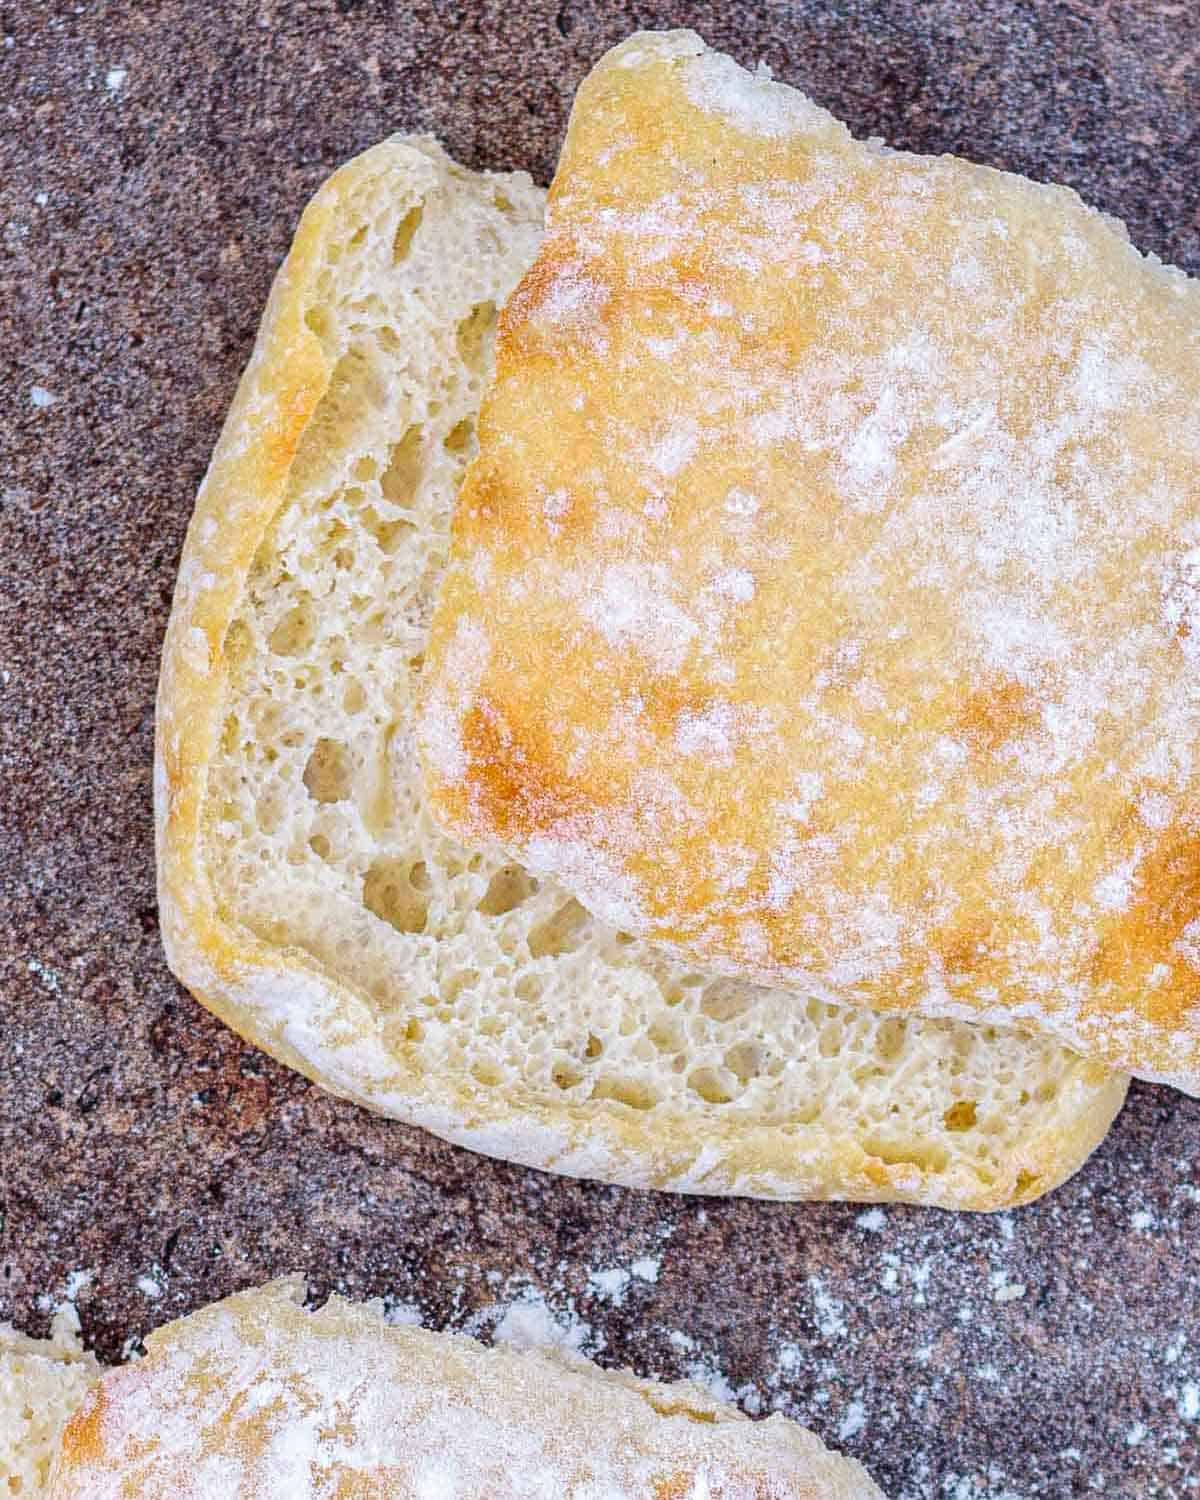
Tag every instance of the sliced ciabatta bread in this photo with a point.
(306, 895)
(42, 1382)
(256, 1396)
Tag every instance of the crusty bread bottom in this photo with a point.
(256, 1396)
(309, 899)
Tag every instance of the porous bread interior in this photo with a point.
(318, 837)
(42, 1382)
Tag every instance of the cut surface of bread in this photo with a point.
(42, 1382)
(309, 899)
(255, 1396)
(825, 599)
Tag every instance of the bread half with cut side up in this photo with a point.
(255, 1396)
(307, 896)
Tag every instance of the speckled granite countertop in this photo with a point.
(153, 162)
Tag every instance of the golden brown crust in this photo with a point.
(840, 506)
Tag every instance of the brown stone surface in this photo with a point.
(153, 161)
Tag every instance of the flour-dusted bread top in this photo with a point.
(824, 602)
(256, 1399)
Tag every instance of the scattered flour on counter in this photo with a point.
(115, 78)
(399, 1313)
(40, 397)
(610, 1285)
(152, 1284)
(49, 977)
(703, 1367)
(1004, 1290)
(829, 1311)
(529, 1322)
(854, 1419)
(647, 1268)
(74, 1285)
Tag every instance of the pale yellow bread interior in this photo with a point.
(307, 895)
(42, 1383)
(824, 603)
(257, 1397)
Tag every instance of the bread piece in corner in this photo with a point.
(42, 1382)
(307, 896)
(306, 1404)
(825, 599)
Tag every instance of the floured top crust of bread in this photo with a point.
(824, 602)
(256, 1397)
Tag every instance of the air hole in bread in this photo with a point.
(366, 469)
(460, 437)
(745, 1061)
(405, 233)
(558, 932)
(388, 534)
(928, 1158)
(390, 894)
(528, 990)
(666, 1035)
(474, 333)
(356, 393)
(890, 1037)
(1028, 1186)
(353, 698)
(960, 1115)
(507, 889)
(318, 321)
(724, 1000)
(453, 987)
(405, 468)
(832, 1038)
(320, 846)
(503, 203)
(296, 632)
(238, 642)
(625, 1091)
(269, 815)
(487, 1074)
(594, 1047)
(328, 774)
(711, 1085)
(565, 1075)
